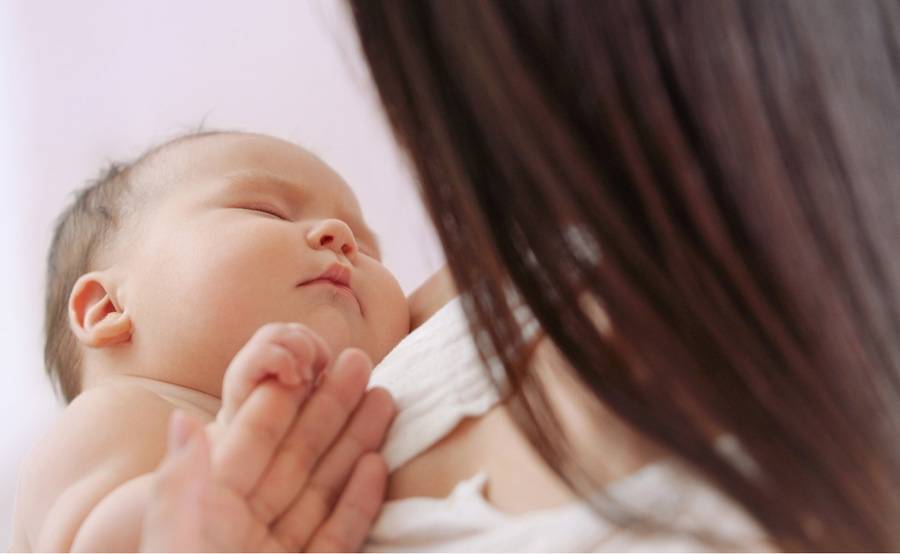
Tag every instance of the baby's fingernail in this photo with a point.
(179, 431)
(307, 373)
(290, 377)
(319, 378)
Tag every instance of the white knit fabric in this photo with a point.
(437, 379)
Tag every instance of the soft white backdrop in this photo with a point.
(88, 81)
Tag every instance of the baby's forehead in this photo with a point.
(223, 159)
(207, 165)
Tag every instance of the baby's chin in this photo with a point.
(339, 334)
(375, 349)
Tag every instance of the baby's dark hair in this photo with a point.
(83, 231)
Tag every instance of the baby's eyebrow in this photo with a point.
(264, 180)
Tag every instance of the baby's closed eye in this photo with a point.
(265, 209)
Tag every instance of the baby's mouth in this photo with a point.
(335, 273)
(336, 276)
(330, 282)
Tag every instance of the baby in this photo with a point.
(158, 277)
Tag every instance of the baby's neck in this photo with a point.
(183, 397)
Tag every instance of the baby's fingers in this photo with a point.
(289, 352)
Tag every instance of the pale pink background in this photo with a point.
(83, 82)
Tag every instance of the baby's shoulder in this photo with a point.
(104, 423)
(123, 398)
(106, 436)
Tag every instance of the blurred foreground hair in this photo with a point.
(723, 178)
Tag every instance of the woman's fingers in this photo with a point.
(291, 454)
(317, 427)
(174, 513)
(247, 445)
(353, 516)
(363, 434)
(277, 444)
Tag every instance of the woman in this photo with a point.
(697, 200)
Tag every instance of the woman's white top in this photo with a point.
(437, 380)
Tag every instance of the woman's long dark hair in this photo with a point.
(723, 177)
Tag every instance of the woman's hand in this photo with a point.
(313, 482)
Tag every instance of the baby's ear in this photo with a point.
(94, 316)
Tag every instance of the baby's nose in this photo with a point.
(335, 235)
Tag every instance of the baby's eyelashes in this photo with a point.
(265, 210)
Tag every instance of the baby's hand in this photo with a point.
(289, 353)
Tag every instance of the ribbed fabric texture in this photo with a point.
(437, 379)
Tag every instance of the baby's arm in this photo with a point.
(108, 437)
(87, 484)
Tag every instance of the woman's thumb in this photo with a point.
(186, 469)
(187, 452)
(175, 506)
(181, 428)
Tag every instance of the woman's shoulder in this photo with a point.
(430, 297)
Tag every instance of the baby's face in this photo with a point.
(236, 227)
